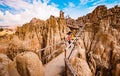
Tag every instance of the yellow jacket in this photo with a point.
(72, 36)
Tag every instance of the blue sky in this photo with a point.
(18, 12)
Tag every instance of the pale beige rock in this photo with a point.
(81, 67)
(12, 69)
(28, 64)
(101, 38)
(4, 62)
(117, 72)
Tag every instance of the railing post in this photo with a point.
(39, 54)
(65, 64)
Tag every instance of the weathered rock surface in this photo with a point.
(28, 64)
(4, 62)
(12, 69)
(81, 67)
(117, 70)
(101, 40)
(38, 34)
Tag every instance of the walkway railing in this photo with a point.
(67, 63)
(69, 66)
(47, 57)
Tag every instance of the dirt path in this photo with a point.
(56, 66)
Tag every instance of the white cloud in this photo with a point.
(98, 2)
(112, 5)
(55, 5)
(80, 10)
(85, 1)
(1, 14)
(1, 2)
(46, 1)
(107, 5)
(118, 4)
(43, 11)
(37, 9)
(75, 12)
(71, 4)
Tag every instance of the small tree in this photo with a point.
(1, 29)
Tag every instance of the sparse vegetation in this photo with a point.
(1, 29)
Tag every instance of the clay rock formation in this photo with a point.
(26, 38)
(12, 69)
(28, 64)
(4, 62)
(79, 63)
(4, 43)
(14, 49)
(117, 70)
(101, 40)
(30, 34)
(41, 31)
(81, 67)
(7, 67)
(57, 30)
(39, 34)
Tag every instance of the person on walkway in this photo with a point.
(68, 37)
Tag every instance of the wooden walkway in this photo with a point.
(57, 65)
